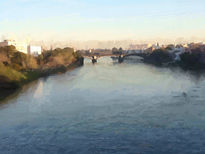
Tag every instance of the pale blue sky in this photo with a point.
(102, 19)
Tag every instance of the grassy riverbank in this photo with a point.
(17, 69)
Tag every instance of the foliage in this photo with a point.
(58, 56)
(193, 59)
(18, 59)
(158, 57)
(17, 68)
(116, 51)
(31, 62)
(17, 65)
(11, 73)
(170, 47)
(6, 53)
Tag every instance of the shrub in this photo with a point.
(192, 59)
(31, 62)
(159, 56)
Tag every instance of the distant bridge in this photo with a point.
(143, 55)
(120, 58)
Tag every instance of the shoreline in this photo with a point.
(9, 88)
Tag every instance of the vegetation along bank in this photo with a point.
(17, 68)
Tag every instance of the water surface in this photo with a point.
(107, 108)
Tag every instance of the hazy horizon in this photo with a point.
(107, 44)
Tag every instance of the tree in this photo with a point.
(158, 57)
(170, 47)
(115, 51)
(191, 59)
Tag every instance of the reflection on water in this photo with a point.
(107, 108)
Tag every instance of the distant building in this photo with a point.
(177, 52)
(134, 51)
(23, 47)
(152, 48)
(185, 45)
(139, 46)
(34, 50)
(20, 46)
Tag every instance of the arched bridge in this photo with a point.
(120, 58)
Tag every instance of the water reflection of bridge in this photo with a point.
(142, 55)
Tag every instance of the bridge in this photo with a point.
(143, 55)
(120, 58)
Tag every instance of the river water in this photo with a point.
(107, 108)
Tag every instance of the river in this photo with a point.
(107, 108)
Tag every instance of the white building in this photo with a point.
(23, 47)
(20, 46)
(34, 50)
(156, 46)
(177, 51)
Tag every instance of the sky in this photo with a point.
(83, 20)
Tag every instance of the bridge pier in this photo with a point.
(94, 59)
(120, 58)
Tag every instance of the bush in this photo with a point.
(19, 58)
(11, 73)
(31, 62)
(192, 59)
(158, 57)
(59, 56)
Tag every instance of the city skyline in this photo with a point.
(86, 20)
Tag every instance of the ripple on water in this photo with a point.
(107, 108)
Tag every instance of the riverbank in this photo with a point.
(13, 73)
(190, 60)
(8, 87)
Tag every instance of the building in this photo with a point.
(20, 46)
(149, 50)
(139, 46)
(152, 48)
(134, 51)
(34, 50)
(23, 47)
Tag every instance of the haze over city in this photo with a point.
(97, 24)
